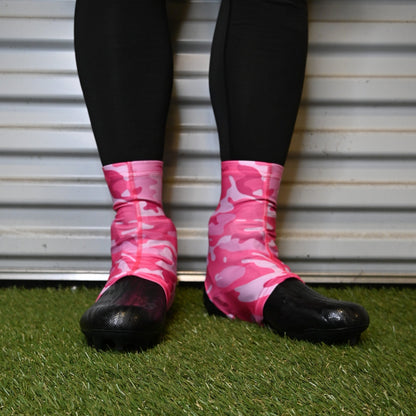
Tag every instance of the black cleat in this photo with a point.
(130, 315)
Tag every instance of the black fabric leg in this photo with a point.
(256, 76)
(124, 62)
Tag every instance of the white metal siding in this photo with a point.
(347, 204)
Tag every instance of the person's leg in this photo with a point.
(256, 77)
(124, 63)
(125, 67)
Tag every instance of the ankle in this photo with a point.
(144, 241)
(243, 266)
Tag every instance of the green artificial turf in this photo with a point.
(205, 365)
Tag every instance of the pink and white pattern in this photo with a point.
(243, 265)
(143, 239)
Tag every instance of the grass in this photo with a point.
(205, 365)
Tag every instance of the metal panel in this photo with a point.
(347, 204)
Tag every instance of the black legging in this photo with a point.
(124, 61)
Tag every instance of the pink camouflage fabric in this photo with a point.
(243, 266)
(143, 239)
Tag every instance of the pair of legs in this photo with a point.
(256, 75)
(257, 66)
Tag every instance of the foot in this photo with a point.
(129, 315)
(301, 313)
(295, 310)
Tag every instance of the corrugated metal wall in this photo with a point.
(347, 207)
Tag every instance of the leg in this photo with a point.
(125, 67)
(125, 64)
(256, 78)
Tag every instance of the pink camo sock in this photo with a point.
(243, 266)
(143, 239)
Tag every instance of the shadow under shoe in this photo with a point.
(130, 315)
(295, 310)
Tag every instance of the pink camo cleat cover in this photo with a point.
(243, 266)
(143, 239)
